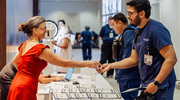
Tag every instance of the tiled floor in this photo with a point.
(77, 56)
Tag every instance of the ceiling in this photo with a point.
(68, 0)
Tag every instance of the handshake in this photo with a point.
(100, 68)
(103, 68)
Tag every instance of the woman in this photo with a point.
(63, 45)
(9, 71)
(32, 58)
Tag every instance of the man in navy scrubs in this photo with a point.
(107, 34)
(86, 43)
(126, 78)
(152, 51)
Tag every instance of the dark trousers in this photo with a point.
(128, 84)
(87, 51)
(4, 90)
(165, 94)
(106, 55)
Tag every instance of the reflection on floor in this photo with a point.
(77, 56)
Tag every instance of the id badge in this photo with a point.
(110, 35)
(148, 59)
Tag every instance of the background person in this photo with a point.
(107, 34)
(86, 43)
(32, 58)
(9, 71)
(152, 42)
(62, 29)
(63, 45)
(126, 78)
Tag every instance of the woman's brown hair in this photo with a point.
(33, 22)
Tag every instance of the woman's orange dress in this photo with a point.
(24, 84)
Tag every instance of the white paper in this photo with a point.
(93, 95)
(110, 96)
(86, 86)
(65, 90)
(81, 95)
(60, 96)
(105, 91)
(71, 95)
(74, 90)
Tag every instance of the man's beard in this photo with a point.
(137, 21)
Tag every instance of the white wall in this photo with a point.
(169, 16)
(85, 13)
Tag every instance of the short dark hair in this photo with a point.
(110, 18)
(87, 27)
(120, 16)
(141, 5)
(62, 21)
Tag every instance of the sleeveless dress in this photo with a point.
(25, 82)
(64, 53)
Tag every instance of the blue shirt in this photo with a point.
(86, 36)
(129, 73)
(156, 36)
(104, 33)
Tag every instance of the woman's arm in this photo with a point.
(54, 59)
(64, 43)
(123, 64)
(43, 79)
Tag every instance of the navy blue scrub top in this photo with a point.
(156, 36)
(129, 73)
(104, 33)
(86, 36)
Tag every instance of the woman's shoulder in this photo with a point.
(41, 46)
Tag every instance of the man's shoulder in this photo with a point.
(105, 26)
(153, 24)
(129, 29)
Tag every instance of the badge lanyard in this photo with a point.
(111, 35)
(148, 59)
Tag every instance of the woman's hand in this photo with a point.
(57, 78)
(93, 64)
(53, 42)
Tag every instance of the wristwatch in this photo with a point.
(156, 83)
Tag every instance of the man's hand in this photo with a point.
(103, 68)
(151, 88)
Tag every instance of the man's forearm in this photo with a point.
(125, 63)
